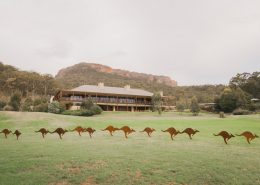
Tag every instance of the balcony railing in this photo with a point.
(107, 100)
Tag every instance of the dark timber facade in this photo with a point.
(108, 98)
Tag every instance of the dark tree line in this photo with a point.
(27, 83)
(23, 89)
(239, 94)
(34, 89)
(249, 83)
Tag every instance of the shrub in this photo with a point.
(43, 107)
(87, 113)
(82, 112)
(157, 103)
(240, 111)
(67, 105)
(27, 105)
(96, 109)
(37, 101)
(71, 112)
(87, 104)
(221, 114)
(15, 101)
(180, 107)
(194, 107)
(8, 108)
(2, 104)
(55, 107)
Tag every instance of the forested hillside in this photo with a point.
(88, 73)
(35, 88)
(27, 83)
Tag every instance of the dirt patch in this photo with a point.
(59, 183)
(74, 170)
(89, 181)
(138, 174)
(95, 165)
(71, 169)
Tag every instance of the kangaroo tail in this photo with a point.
(238, 134)
(104, 129)
(164, 130)
(216, 134)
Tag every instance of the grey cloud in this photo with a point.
(194, 42)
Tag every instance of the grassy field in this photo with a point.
(137, 160)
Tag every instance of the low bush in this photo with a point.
(43, 107)
(55, 108)
(221, 114)
(240, 111)
(8, 108)
(81, 112)
(27, 105)
(96, 109)
(2, 104)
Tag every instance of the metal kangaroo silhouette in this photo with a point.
(172, 131)
(17, 133)
(110, 129)
(6, 132)
(248, 135)
(43, 131)
(78, 129)
(226, 136)
(190, 132)
(127, 130)
(90, 131)
(59, 131)
(148, 130)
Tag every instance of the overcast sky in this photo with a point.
(192, 41)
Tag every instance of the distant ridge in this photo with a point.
(92, 73)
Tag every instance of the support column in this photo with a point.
(114, 108)
(132, 109)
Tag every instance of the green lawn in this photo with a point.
(137, 160)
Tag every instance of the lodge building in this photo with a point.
(108, 98)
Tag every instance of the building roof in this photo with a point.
(112, 90)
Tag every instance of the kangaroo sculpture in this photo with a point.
(127, 130)
(148, 130)
(248, 135)
(6, 132)
(172, 131)
(78, 129)
(226, 136)
(60, 131)
(43, 131)
(190, 132)
(90, 131)
(110, 129)
(17, 133)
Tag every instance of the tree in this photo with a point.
(157, 103)
(194, 106)
(227, 101)
(249, 83)
(87, 104)
(55, 107)
(15, 101)
(180, 107)
(2, 104)
(232, 98)
(27, 105)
